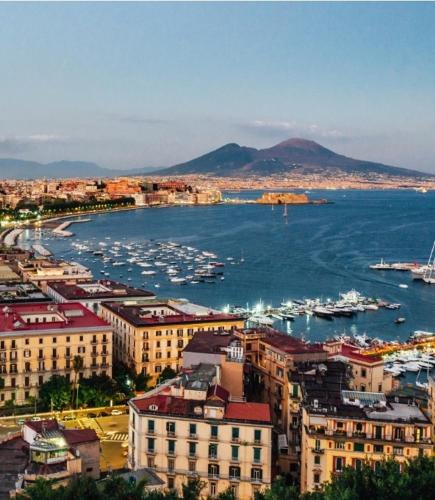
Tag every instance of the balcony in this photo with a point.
(213, 475)
(94, 366)
(256, 480)
(318, 451)
(94, 342)
(214, 438)
(213, 456)
(170, 433)
(193, 456)
(193, 436)
(151, 451)
(234, 477)
(235, 440)
(150, 431)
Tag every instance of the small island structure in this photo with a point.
(287, 199)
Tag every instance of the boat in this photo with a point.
(148, 273)
(403, 285)
(398, 321)
(323, 312)
(178, 281)
(380, 266)
(118, 263)
(418, 334)
(261, 320)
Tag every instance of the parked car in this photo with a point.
(116, 412)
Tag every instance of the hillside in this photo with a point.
(298, 155)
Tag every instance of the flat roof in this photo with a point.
(210, 342)
(138, 315)
(21, 293)
(68, 316)
(98, 289)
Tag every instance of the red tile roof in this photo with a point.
(258, 412)
(77, 436)
(353, 352)
(73, 315)
(48, 425)
(287, 343)
(219, 392)
(72, 291)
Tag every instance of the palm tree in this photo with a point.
(77, 365)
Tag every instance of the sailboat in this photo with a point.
(429, 276)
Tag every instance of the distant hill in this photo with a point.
(11, 168)
(298, 155)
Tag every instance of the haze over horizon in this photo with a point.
(146, 84)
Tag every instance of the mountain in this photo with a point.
(11, 168)
(297, 155)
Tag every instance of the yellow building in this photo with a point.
(40, 340)
(190, 428)
(270, 356)
(341, 427)
(150, 335)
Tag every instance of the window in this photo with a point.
(171, 481)
(192, 449)
(40, 380)
(214, 431)
(233, 489)
(378, 448)
(295, 390)
(171, 447)
(358, 447)
(257, 455)
(397, 450)
(192, 466)
(235, 433)
(151, 426)
(257, 436)
(378, 432)
(81, 338)
(339, 445)
(171, 467)
(170, 428)
(158, 369)
(338, 464)
(68, 339)
(234, 472)
(150, 461)
(41, 341)
(151, 445)
(317, 459)
(192, 429)
(213, 470)
(317, 444)
(212, 489)
(256, 474)
(316, 478)
(363, 373)
(234, 453)
(212, 450)
(357, 464)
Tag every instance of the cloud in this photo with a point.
(280, 128)
(136, 119)
(19, 144)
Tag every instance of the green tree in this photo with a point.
(42, 489)
(82, 487)
(56, 391)
(167, 374)
(141, 381)
(117, 488)
(192, 490)
(77, 365)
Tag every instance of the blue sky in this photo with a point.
(144, 84)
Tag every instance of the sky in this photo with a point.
(154, 84)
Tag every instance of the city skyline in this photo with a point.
(141, 85)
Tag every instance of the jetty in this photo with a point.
(11, 238)
(41, 250)
(61, 230)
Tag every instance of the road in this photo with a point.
(111, 429)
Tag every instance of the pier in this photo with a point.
(41, 250)
(11, 238)
(61, 230)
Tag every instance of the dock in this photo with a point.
(11, 238)
(61, 230)
(41, 250)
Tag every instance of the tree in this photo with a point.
(167, 374)
(142, 381)
(192, 490)
(118, 488)
(55, 393)
(77, 365)
(42, 489)
(97, 390)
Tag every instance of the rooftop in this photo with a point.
(98, 289)
(210, 342)
(167, 312)
(21, 293)
(46, 317)
(354, 353)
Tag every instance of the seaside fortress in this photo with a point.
(151, 335)
(93, 293)
(340, 427)
(41, 340)
(190, 428)
(40, 271)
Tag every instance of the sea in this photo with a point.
(317, 251)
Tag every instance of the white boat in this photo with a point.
(412, 366)
(261, 320)
(380, 266)
(148, 273)
(118, 263)
(178, 281)
(403, 285)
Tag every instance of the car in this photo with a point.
(21, 421)
(35, 418)
(116, 412)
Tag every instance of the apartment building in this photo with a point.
(92, 293)
(191, 428)
(221, 349)
(21, 293)
(341, 427)
(367, 370)
(40, 340)
(151, 335)
(40, 271)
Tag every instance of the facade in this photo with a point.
(91, 294)
(341, 427)
(270, 355)
(151, 335)
(187, 430)
(40, 340)
(367, 371)
(41, 270)
(222, 349)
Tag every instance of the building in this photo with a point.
(21, 293)
(40, 340)
(42, 270)
(45, 450)
(190, 428)
(367, 370)
(151, 335)
(91, 294)
(222, 349)
(340, 427)
(7, 274)
(270, 356)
